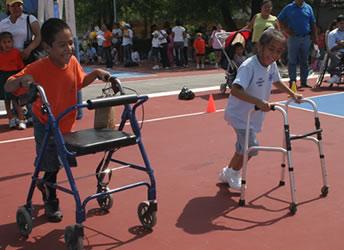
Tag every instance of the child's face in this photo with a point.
(62, 48)
(239, 50)
(6, 44)
(271, 52)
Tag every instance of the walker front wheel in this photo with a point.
(146, 215)
(24, 221)
(73, 238)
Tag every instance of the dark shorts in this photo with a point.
(51, 161)
(4, 75)
(200, 54)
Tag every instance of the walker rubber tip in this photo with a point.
(211, 104)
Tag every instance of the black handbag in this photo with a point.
(37, 52)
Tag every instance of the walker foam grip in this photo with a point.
(111, 101)
(272, 107)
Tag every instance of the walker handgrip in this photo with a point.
(272, 107)
(111, 101)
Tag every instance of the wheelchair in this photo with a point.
(90, 141)
(323, 70)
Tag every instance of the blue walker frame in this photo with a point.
(146, 210)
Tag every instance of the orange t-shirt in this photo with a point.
(108, 37)
(199, 45)
(11, 60)
(60, 86)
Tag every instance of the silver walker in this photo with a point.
(315, 136)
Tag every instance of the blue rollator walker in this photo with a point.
(90, 141)
(315, 136)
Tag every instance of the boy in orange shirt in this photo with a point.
(199, 46)
(61, 76)
(10, 63)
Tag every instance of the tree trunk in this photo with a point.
(229, 23)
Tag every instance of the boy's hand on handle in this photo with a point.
(25, 81)
(103, 75)
(297, 97)
(264, 106)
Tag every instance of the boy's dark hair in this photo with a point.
(340, 18)
(50, 28)
(269, 35)
(6, 34)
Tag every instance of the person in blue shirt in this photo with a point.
(298, 22)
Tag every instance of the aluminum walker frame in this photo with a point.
(286, 151)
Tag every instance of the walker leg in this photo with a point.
(243, 180)
(293, 204)
(324, 189)
(282, 180)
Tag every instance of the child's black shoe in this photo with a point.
(52, 210)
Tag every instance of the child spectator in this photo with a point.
(252, 87)
(107, 45)
(199, 46)
(238, 54)
(62, 76)
(91, 54)
(155, 47)
(135, 56)
(10, 63)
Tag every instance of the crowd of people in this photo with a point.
(174, 46)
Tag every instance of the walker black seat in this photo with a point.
(91, 140)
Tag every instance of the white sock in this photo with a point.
(235, 172)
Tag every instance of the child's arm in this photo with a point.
(240, 93)
(13, 84)
(97, 73)
(283, 87)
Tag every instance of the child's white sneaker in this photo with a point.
(12, 123)
(197, 66)
(21, 125)
(230, 176)
(202, 66)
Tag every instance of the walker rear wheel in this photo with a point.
(24, 221)
(146, 215)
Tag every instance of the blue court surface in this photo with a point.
(331, 104)
(121, 74)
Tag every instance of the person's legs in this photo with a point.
(50, 165)
(231, 173)
(293, 51)
(164, 57)
(305, 44)
(20, 113)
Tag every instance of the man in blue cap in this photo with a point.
(298, 21)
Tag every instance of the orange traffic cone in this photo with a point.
(211, 105)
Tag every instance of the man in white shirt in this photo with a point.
(335, 44)
(178, 34)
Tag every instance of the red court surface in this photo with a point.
(194, 211)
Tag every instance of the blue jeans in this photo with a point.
(298, 51)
